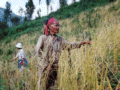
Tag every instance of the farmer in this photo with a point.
(21, 56)
(48, 48)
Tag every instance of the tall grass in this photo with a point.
(90, 69)
(95, 69)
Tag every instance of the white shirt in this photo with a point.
(21, 54)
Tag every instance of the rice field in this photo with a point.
(93, 67)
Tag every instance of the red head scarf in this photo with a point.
(50, 21)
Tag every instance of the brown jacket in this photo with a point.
(50, 50)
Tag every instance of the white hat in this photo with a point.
(19, 45)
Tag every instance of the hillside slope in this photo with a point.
(63, 13)
(95, 69)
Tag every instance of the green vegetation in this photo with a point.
(62, 13)
(15, 20)
(98, 68)
(1, 51)
(9, 52)
(2, 86)
(114, 8)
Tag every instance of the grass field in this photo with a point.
(98, 68)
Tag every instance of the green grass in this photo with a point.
(2, 86)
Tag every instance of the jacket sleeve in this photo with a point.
(68, 46)
(39, 45)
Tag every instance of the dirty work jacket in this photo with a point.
(49, 50)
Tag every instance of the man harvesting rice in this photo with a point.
(48, 48)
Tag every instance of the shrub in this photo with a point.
(3, 25)
(15, 20)
(1, 35)
(8, 40)
(2, 87)
(114, 8)
(9, 52)
(112, 0)
(1, 51)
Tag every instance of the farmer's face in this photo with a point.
(54, 27)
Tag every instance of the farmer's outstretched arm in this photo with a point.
(13, 59)
(67, 45)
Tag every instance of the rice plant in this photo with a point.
(93, 67)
